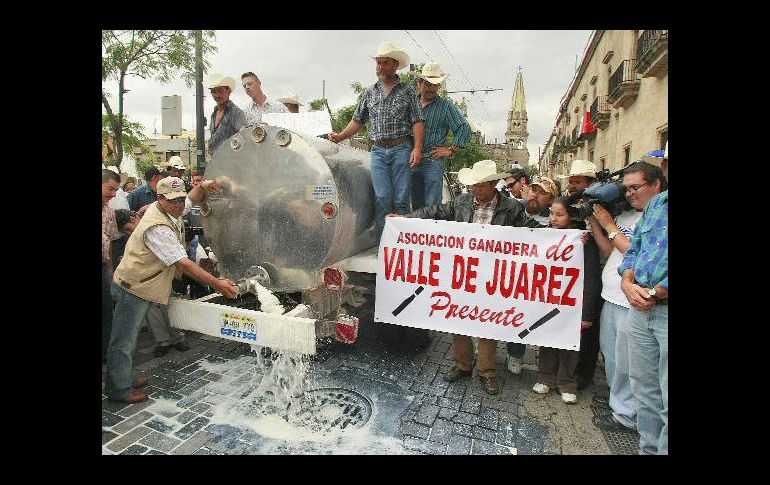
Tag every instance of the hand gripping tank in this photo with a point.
(274, 210)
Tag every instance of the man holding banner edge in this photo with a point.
(483, 206)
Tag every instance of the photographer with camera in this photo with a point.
(644, 282)
(612, 234)
(582, 174)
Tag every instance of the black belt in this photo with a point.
(393, 142)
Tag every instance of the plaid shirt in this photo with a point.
(648, 254)
(232, 121)
(392, 117)
(483, 211)
(441, 115)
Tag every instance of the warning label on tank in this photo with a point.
(320, 192)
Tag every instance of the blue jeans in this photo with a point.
(427, 183)
(129, 315)
(106, 310)
(391, 179)
(516, 350)
(648, 364)
(613, 335)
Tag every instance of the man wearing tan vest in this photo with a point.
(154, 255)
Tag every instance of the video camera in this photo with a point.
(608, 191)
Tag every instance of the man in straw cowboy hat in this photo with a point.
(582, 173)
(484, 206)
(441, 115)
(259, 103)
(397, 132)
(291, 101)
(227, 118)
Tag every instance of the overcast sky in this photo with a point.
(299, 61)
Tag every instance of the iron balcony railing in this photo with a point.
(600, 105)
(625, 72)
(647, 40)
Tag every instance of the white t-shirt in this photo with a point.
(611, 291)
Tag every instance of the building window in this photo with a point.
(591, 156)
(626, 155)
(663, 139)
(601, 163)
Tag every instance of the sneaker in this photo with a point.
(568, 398)
(182, 346)
(514, 365)
(541, 388)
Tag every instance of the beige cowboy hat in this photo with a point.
(582, 168)
(217, 80)
(387, 49)
(432, 73)
(123, 175)
(482, 171)
(290, 98)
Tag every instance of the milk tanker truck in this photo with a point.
(294, 226)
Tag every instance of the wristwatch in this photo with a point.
(652, 293)
(612, 235)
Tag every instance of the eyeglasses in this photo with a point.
(178, 200)
(512, 185)
(633, 188)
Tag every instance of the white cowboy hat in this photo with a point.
(290, 98)
(432, 73)
(217, 80)
(174, 161)
(482, 171)
(582, 168)
(387, 49)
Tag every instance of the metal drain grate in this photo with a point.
(621, 442)
(327, 409)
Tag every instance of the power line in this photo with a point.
(483, 105)
(418, 45)
(470, 105)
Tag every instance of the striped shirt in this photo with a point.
(392, 116)
(164, 244)
(441, 115)
(232, 121)
(483, 211)
(648, 254)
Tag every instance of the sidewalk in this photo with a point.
(366, 398)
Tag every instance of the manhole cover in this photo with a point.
(327, 409)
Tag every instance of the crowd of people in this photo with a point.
(625, 301)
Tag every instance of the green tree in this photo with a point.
(317, 104)
(531, 170)
(158, 54)
(133, 135)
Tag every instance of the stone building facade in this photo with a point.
(514, 150)
(616, 108)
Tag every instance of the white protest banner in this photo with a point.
(311, 123)
(504, 283)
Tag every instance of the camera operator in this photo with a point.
(645, 283)
(582, 173)
(613, 235)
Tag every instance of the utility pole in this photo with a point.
(200, 120)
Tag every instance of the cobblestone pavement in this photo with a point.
(391, 398)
